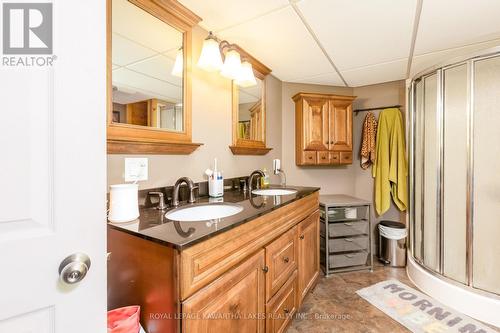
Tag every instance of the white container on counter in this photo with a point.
(123, 202)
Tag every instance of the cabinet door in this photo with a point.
(340, 136)
(308, 263)
(315, 126)
(232, 303)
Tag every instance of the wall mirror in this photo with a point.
(149, 85)
(249, 111)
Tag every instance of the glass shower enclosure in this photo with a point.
(454, 142)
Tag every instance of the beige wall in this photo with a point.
(212, 127)
(331, 179)
(384, 94)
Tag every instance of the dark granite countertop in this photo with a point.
(153, 225)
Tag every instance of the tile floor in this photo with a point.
(334, 306)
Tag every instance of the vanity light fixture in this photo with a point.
(246, 78)
(210, 57)
(179, 63)
(232, 68)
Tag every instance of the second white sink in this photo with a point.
(274, 191)
(203, 212)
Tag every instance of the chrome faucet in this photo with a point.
(254, 173)
(278, 171)
(177, 186)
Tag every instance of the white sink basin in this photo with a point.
(203, 212)
(274, 191)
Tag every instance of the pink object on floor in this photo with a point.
(124, 320)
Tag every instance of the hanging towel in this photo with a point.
(390, 168)
(368, 141)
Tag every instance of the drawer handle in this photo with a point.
(265, 269)
(286, 259)
(301, 237)
(349, 255)
(348, 239)
(349, 224)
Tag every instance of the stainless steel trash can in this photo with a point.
(392, 243)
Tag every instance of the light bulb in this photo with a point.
(232, 65)
(179, 64)
(246, 78)
(210, 58)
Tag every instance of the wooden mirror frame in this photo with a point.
(246, 146)
(134, 139)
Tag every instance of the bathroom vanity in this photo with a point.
(249, 271)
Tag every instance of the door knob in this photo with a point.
(74, 268)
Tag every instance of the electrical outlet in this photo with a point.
(136, 169)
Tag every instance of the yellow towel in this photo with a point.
(390, 169)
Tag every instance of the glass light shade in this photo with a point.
(210, 58)
(179, 64)
(246, 77)
(232, 65)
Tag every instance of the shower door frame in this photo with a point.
(439, 70)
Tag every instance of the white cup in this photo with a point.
(123, 202)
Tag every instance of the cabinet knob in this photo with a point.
(286, 259)
(301, 237)
(265, 269)
(286, 311)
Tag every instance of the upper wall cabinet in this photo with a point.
(149, 77)
(323, 129)
(249, 107)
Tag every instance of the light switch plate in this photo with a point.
(136, 169)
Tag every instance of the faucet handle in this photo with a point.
(161, 203)
(192, 197)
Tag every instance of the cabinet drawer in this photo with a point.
(346, 244)
(281, 308)
(345, 228)
(309, 157)
(334, 157)
(281, 261)
(347, 259)
(345, 157)
(323, 157)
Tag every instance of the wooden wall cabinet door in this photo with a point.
(323, 124)
(233, 302)
(308, 261)
(315, 124)
(340, 134)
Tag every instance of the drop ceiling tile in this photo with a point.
(328, 79)
(134, 23)
(448, 24)
(126, 52)
(281, 42)
(158, 67)
(221, 14)
(422, 62)
(386, 72)
(361, 33)
(155, 88)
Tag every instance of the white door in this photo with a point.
(53, 173)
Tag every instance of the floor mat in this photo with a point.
(417, 311)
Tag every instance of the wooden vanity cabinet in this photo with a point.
(251, 278)
(323, 129)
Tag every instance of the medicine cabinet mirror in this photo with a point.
(149, 77)
(249, 111)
